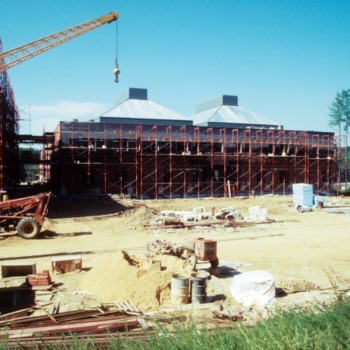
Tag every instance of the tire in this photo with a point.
(214, 263)
(28, 228)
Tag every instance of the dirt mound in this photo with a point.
(137, 218)
(122, 277)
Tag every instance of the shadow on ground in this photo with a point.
(48, 234)
(81, 208)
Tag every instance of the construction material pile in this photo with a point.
(51, 331)
(199, 217)
(163, 247)
(41, 279)
(145, 283)
(229, 213)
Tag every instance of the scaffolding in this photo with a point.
(38, 158)
(9, 150)
(159, 161)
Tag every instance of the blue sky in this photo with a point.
(284, 59)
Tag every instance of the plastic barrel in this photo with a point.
(179, 289)
(198, 288)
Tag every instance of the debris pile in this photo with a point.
(229, 213)
(198, 217)
(233, 313)
(173, 216)
(49, 329)
(163, 247)
(297, 286)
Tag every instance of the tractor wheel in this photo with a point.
(28, 228)
(214, 263)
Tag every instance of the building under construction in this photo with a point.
(9, 119)
(142, 149)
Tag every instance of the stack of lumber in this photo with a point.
(93, 321)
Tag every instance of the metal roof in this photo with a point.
(146, 121)
(143, 109)
(230, 114)
(225, 110)
(135, 105)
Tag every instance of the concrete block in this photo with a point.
(198, 210)
(17, 269)
(228, 209)
(189, 217)
(258, 211)
(66, 263)
(235, 215)
(169, 213)
(204, 216)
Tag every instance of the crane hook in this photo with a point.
(116, 71)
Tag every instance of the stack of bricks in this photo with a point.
(41, 279)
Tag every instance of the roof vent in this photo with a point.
(223, 100)
(134, 94)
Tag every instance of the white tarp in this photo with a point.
(254, 288)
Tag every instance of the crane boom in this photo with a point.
(22, 53)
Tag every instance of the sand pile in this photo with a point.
(136, 218)
(122, 277)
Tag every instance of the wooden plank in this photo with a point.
(24, 313)
(135, 308)
(338, 210)
(91, 326)
(125, 306)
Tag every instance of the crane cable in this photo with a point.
(116, 70)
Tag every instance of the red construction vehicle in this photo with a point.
(26, 214)
(202, 249)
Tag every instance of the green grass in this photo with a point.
(329, 329)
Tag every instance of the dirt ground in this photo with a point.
(298, 249)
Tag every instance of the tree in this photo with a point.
(339, 113)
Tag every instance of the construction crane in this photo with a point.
(22, 53)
